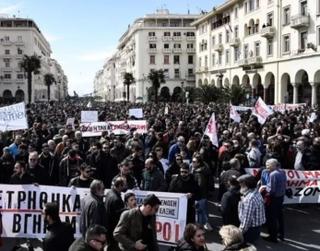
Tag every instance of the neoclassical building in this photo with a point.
(18, 37)
(270, 47)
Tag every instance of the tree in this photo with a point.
(156, 77)
(237, 94)
(164, 94)
(30, 65)
(128, 80)
(48, 81)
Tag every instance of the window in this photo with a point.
(318, 29)
(20, 76)
(166, 59)
(7, 52)
(236, 31)
(190, 46)
(7, 76)
(236, 12)
(166, 34)
(318, 7)
(270, 19)
(6, 62)
(176, 73)
(286, 16)
(227, 56)
(286, 43)
(213, 40)
(177, 34)
(152, 46)
(220, 58)
(166, 46)
(152, 59)
(227, 36)
(220, 38)
(304, 8)
(190, 34)
(213, 59)
(176, 59)
(303, 40)
(257, 4)
(246, 51)
(19, 51)
(190, 72)
(7, 38)
(236, 54)
(200, 61)
(177, 46)
(269, 47)
(190, 59)
(251, 5)
(152, 34)
(206, 61)
(257, 49)
(245, 7)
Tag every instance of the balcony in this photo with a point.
(6, 42)
(243, 62)
(218, 47)
(166, 50)
(300, 21)
(152, 50)
(235, 42)
(166, 38)
(191, 50)
(19, 43)
(177, 38)
(255, 61)
(152, 38)
(177, 50)
(268, 32)
(191, 38)
(191, 78)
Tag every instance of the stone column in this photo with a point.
(295, 92)
(265, 91)
(314, 100)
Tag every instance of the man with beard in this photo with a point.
(153, 179)
(84, 179)
(21, 176)
(251, 209)
(185, 183)
(46, 159)
(69, 167)
(59, 234)
(114, 207)
(125, 173)
(118, 150)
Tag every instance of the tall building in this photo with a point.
(270, 47)
(157, 41)
(19, 37)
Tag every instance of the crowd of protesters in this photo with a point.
(173, 156)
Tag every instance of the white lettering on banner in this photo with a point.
(89, 116)
(21, 207)
(13, 117)
(302, 186)
(93, 129)
(124, 127)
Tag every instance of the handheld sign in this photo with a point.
(13, 117)
(89, 116)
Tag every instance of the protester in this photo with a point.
(21, 175)
(95, 240)
(84, 179)
(137, 227)
(153, 179)
(130, 200)
(125, 173)
(59, 234)
(39, 173)
(93, 210)
(193, 239)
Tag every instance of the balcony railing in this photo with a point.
(191, 50)
(218, 47)
(152, 50)
(166, 38)
(300, 21)
(177, 50)
(152, 38)
(235, 42)
(191, 38)
(166, 50)
(177, 38)
(255, 60)
(268, 32)
(243, 62)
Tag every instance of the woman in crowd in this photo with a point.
(193, 239)
(130, 200)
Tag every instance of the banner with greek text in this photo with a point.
(93, 129)
(13, 117)
(302, 186)
(124, 127)
(22, 205)
(289, 107)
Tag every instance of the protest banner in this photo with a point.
(136, 112)
(70, 122)
(242, 108)
(289, 107)
(302, 186)
(124, 127)
(211, 131)
(89, 116)
(22, 205)
(261, 111)
(234, 115)
(13, 117)
(93, 129)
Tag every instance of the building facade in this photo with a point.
(270, 47)
(157, 41)
(19, 37)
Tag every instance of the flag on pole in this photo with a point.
(211, 131)
(234, 115)
(261, 111)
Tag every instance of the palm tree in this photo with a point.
(30, 64)
(156, 78)
(128, 79)
(48, 81)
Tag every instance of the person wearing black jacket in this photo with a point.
(59, 234)
(185, 183)
(84, 179)
(114, 206)
(21, 176)
(229, 203)
(39, 172)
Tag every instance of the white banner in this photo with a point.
(123, 127)
(302, 186)
(93, 129)
(89, 116)
(70, 121)
(136, 112)
(242, 108)
(234, 115)
(13, 117)
(211, 131)
(21, 208)
(289, 107)
(261, 111)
